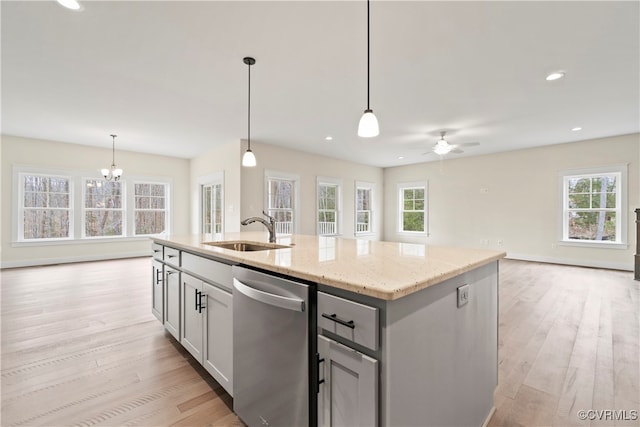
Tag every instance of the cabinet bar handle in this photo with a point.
(320, 381)
(335, 318)
(158, 279)
(202, 306)
(197, 301)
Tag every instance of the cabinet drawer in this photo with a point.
(157, 251)
(348, 319)
(171, 256)
(208, 269)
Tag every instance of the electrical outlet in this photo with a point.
(500, 242)
(463, 295)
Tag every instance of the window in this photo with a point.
(281, 200)
(150, 210)
(412, 204)
(328, 206)
(211, 208)
(53, 206)
(593, 206)
(363, 209)
(103, 208)
(45, 208)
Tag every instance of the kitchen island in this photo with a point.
(423, 348)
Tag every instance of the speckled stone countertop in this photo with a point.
(383, 270)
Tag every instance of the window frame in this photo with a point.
(166, 210)
(84, 210)
(216, 178)
(19, 209)
(284, 176)
(76, 224)
(424, 185)
(370, 187)
(619, 170)
(330, 182)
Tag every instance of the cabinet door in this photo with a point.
(349, 394)
(172, 301)
(157, 290)
(192, 316)
(218, 347)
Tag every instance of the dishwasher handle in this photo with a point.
(294, 304)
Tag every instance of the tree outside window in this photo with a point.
(103, 208)
(281, 203)
(412, 209)
(592, 205)
(327, 209)
(46, 207)
(363, 210)
(150, 211)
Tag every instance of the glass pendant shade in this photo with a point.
(248, 159)
(112, 174)
(368, 126)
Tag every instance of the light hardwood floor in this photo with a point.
(80, 347)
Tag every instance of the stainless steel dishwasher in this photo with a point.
(272, 323)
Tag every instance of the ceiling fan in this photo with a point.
(443, 147)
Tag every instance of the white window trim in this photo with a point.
(621, 212)
(18, 208)
(212, 179)
(366, 186)
(400, 203)
(320, 180)
(76, 177)
(130, 213)
(268, 174)
(84, 210)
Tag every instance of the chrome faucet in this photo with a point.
(271, 224)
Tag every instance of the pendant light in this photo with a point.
(368, 125)
(113, 173)
(249, 159)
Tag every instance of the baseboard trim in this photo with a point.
(572, 261)
(71, 259)
(488, 419)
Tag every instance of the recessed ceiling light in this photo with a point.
(70, 4)
(555, 75)
(576, 129)
(328, 138)
(400, 157)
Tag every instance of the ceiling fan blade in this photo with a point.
(456, 150)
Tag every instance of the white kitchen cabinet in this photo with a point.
(207, 328)
(348, 392)
(218, 334)
(192, 315)
(172, 301)
(157, 289)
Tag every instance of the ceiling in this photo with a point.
(168, 77)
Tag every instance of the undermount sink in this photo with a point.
(245, 246)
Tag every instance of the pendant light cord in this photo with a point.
(249, 111)
(113, 150)
(368, 55)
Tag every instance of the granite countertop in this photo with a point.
(383, 270)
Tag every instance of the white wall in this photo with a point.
(226, 159)
(523, 203)
(308, 167)
(64, 156)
